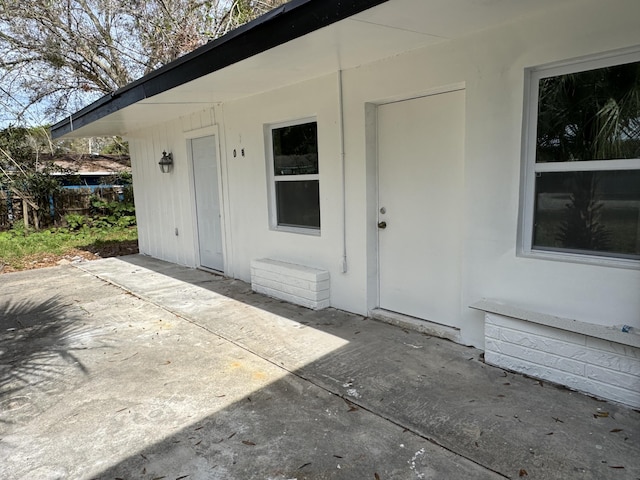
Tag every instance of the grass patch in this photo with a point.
(21, 250)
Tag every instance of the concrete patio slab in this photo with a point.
(136, 368)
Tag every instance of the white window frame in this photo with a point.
(272, 178)
(530, 168)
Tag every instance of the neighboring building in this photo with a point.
(90, 171)
(406, 159)
(83, 173)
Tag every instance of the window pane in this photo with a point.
(592, 115)
(298, 203)
(295, 149)
(597, 212)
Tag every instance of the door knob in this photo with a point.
(382, 225)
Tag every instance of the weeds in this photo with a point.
(109, 231)
(18, 247)
(107, 214)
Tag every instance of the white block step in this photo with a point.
(299, 284)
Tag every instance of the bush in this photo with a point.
(75, 221)
(106, 214)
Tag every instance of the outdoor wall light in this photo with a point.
(166, 162)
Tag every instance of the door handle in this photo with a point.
(382, 225)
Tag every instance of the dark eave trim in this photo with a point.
(288, 22)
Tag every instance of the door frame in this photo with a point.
(213, 131)
(373, 183)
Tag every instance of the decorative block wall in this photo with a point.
(293, 283)
(604, 368)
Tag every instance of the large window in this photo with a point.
(293, 165)
(583, 160)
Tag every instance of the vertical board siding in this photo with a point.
(140, 193)
(163, 201)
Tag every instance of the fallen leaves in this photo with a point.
(523, 473)
(601, 415)
(248, 442)
(352, 407)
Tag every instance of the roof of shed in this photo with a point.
(90, 163)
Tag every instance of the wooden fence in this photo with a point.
(14, 207)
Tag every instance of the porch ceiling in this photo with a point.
(379, 32)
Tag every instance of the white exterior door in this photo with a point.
(421, 187)
(205, 173)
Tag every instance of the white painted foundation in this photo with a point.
(603, 368)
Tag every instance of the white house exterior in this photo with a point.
(423, 113)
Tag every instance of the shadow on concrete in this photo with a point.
(433, 390)
(285, 430)
(111, 248)
(33, 347)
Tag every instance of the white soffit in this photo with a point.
(343, 45)
(451, 18)
(381, 32)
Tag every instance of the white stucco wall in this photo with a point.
(251, 235)
(491, 66)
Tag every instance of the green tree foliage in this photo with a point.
(115, 146)
(21, 171)
(593, 115)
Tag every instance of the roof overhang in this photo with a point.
(301, 40)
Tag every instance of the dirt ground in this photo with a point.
(43, 260)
